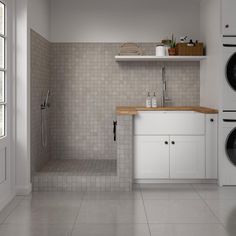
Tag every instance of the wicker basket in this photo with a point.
(184, 50)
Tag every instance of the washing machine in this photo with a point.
(227, 148)
(229, 74)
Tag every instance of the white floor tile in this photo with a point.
(135, 195)
(178, 211)
(170, 191)
(213, 191)
(188, 230)
(34, 230)
(9, 208)
(111, 230)
(225, 210)
(43, 212)
(112, 211)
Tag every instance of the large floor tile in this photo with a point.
(188, 230)
(213, 191)
(178, 211)
(47, 196)
(112, 211)
(225, 210)
(42, 212)
(170, 191)
(35, 230)
(9, 208)
(134, 195)
(111, 230)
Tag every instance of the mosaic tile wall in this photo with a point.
(87, 84)
(40, 74)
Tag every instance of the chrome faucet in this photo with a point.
(164, 98)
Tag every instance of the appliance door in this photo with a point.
(230, 146)
(231, 71)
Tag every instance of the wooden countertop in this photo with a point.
(134, 110)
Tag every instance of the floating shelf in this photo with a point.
(156, 58)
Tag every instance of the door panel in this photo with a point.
(228, 17)
(151, 157)
(2, 165)
(187, 157)
(6, 101)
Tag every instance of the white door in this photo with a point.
(228, 17)
(187, 157)
(6, 115)
(151, 157)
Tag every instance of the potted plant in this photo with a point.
(172, 49)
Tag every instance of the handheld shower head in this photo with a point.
(46, 99)
(45, 102)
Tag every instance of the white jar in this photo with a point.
(160, 50)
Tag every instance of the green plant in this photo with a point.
(173, 41)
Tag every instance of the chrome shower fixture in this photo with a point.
(45, 102)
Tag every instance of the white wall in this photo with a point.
(210, 68)
(123, 20)
(39, 16)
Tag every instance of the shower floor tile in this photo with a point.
(82, 167)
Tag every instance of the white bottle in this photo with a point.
(148, 101)
(154, 100)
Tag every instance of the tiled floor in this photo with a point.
(81, 167)
(168, 210)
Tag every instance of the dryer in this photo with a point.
(229, 74)
(227, 148)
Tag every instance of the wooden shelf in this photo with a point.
(156, 58)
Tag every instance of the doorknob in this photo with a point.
(173, 142)
(166, 142)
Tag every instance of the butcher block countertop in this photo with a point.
(134, 110)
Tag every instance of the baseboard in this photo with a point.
(23, 190)
(175, 181)
(6, 201)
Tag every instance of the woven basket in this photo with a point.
(184, 50)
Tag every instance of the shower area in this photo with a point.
(72, 143)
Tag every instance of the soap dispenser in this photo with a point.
(148, 101)
(154, 100)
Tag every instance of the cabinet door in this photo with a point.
(211, 146)
(228, 17)
(187, 157)
(151, 157)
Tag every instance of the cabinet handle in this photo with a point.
(212, 120)
(227, 26)
(166, 142)
(173, 142)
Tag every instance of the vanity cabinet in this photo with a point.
(175, 145)
(228, 17)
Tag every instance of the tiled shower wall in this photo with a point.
(86, 86)
(40, 74)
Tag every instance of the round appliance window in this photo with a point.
(231, 147)
(231, 71)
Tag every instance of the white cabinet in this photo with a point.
(187, 157)
(175, 145)
(228, 17)
(211, 146)
(151, 157)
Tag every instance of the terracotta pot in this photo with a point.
(172, 51)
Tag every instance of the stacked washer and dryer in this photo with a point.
(227, 121)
